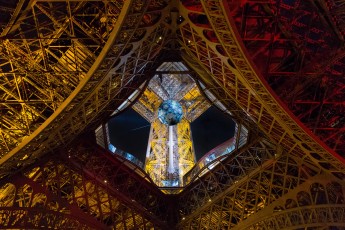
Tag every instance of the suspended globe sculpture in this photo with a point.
(170, 112)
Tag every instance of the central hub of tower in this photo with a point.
(170, 103)
(170, 112)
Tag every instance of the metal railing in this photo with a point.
(211, 159)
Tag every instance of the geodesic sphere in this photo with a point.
(170, 112)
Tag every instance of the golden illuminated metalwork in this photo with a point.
(66, 65)
(170, 152)
(156, 163)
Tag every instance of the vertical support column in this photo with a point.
(157, 154)
(186, 155)
(170, 153)
(171, 150)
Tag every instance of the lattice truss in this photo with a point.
(45, 53)
(186, 158)
(105, 57)
(222, 63)
(263, 188)
(88, 189)
(245, 52)
(298, 48)
(172, 81)
(157, 162)
(208, 37)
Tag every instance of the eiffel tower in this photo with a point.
(277, 67)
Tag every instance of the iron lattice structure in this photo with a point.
(170, 151)
(277, 66)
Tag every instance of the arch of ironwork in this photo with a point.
(213, 48)
(117, 70)
(317, 202)
(225, 59)
(85, 186)
(298, 47)
(254, 192)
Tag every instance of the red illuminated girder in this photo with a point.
(123, 179)
(298, 53)
(282, 37)
(319, 104)
(91, 183)
(332, 7)
(41, 218)
(35, 205)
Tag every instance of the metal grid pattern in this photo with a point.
(172, 81)
(90, 188)
(114, 74)
(232, 71)
(238, 195)
(245, 52)
(288, 41)
(44, 56)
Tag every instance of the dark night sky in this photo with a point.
(211, 129)
(130, 132)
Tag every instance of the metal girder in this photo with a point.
(86, 187)
(147, 104)
(123, 179)
(298, 48)
(233, 71)
(309, 204)
(158, 159)
(313, 203)
(40, 218)
(228, 149)
(220, 97)
(276, 189)
(283, 179)
(333, 9)
(42, 61)
(27, 203)
(115, 73)
(44, 56)
(229, 171)
(315, 217)
(258, 104)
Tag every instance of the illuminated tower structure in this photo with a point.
(170, 152)
(278, 66)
